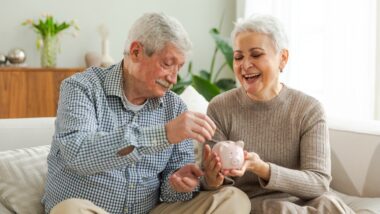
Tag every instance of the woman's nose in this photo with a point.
(246, 64)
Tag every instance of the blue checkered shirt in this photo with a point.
(93, 123)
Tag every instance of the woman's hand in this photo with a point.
(186, 178)
(252, 163)
(212, 167)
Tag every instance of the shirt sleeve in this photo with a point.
(182, 154)
(87, 150)
(314, 176)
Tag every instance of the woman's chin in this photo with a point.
(251, 88)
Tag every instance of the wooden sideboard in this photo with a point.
(31, 92)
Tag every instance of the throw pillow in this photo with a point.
(22, 180)
(195, 102)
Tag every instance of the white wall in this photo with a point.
(198, 17)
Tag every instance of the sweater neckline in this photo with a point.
(246, 101)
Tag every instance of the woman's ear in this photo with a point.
(135, 51)
(283, 58)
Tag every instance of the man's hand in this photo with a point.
(186, 178)
(190, 125)
(212, 166)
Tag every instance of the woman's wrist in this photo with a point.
(261, 169)
(212, 185)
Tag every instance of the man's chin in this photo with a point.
(161, 92)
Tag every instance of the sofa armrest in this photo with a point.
(26, 132)
(355, 157)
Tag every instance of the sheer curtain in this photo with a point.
(332, 51)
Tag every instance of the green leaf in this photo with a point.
(205, 75)
(181, 85)
(224, 46)
(190, 67)
(226, 84)
(207, 89)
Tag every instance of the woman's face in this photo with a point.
(257, 65)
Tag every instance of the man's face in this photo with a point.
(156, 74)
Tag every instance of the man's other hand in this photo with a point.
(186, 178)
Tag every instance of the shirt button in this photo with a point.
(126, 210)
(132, 186)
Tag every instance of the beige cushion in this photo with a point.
(355, 160)
(23, 175)
(18, 133)
(4, 210)
(361, 205)
(197, 103)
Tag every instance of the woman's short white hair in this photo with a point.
(265, 24)
(155, 30)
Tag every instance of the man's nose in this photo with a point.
(172, 77)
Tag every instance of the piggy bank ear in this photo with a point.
(240, 143)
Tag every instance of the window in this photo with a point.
(332, 53)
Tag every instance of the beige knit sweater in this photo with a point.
(289, 132)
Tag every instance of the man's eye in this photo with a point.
(166, 65)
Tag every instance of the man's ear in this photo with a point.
(284, 58)
(135, 51)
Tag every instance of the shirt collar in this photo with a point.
(113, 87)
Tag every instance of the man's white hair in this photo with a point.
(265, 24)
(155, 30)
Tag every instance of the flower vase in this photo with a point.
(49, 51)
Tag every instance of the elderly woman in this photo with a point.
(287, 169)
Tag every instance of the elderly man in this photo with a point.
(122, 140)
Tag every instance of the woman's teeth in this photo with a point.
(251, 76)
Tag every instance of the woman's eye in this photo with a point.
(256, 55)
(237, 58)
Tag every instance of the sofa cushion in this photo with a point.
(17, 133)
(23, 175)
(355, 160)
(197, 103)
(361, 205)
(4, 210)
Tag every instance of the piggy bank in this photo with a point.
(231, 154)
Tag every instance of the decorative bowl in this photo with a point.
(3, 59)
(16, 56)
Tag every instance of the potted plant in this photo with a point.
(48, 30)
(207, 82)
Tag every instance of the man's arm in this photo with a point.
(183, 153)
(87, 150)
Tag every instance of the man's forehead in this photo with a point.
(171, 53)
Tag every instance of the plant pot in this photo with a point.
(49, 51)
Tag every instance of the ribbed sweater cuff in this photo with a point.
(274, 174)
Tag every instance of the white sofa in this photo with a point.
(24, 145)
